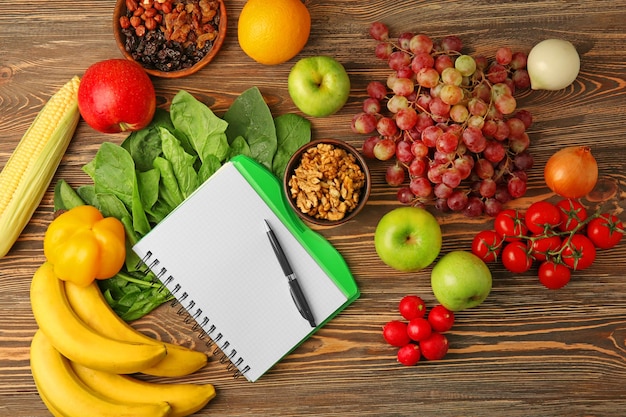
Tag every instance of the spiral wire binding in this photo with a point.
(199, 325)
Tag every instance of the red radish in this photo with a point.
(435, 347)
(419, 329)
(395, 333)
(412, 306)
(440, 318)
(409, 355)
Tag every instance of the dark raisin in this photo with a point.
(153, 51)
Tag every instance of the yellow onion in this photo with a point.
(571, 172)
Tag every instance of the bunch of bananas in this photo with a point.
(83, 352)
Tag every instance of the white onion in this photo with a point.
(552, 64)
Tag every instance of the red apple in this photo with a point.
(116, 95)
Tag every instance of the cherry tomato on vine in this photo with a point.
(579, 252)
(541, 216)
(515, 257)
(543, 245)
(554, 275)
(605, 231)
(572, 213)
(510, 224)
(487, 245)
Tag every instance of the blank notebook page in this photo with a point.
(215, 247)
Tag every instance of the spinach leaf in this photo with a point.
(169, 192)
(65, 197)
(203, 129)
(292, 131)
(250, 117)
(239, 146)
(143, 302)
(110, 206)
(158, 212)
(148, 182)
(88, 194)
(132, 262)
(208, 168)
(182, 163)
(133, 295)
(140, 220)
(113, 171)
(144, 145)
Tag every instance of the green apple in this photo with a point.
(319, 86)
(460, 280)
(408, 238)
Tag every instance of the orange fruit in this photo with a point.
(273, 31)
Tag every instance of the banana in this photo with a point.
(90, 305)
(48, 404)
(185, 399)
(77, 341)
(68, 396)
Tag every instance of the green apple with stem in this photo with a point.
(408, 238)
(460, 280)
(319, 86)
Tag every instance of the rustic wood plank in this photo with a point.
(525, 352)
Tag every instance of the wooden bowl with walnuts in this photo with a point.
(170, 38)
(327, 182)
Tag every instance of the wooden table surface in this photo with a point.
(526, 351)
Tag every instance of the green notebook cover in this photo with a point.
(213, 253)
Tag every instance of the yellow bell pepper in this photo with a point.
(83, 245)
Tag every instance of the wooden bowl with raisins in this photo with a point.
(327, 182)
(170, 38)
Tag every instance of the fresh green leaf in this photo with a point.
(250, 117)
(88, 194)
(141, 303)
(110, 206)
(203, 129)
(148, 182)
(65, 197)
(169, 192)
(140, 220)
(144, 145)
(182, 163)
(208, 168)
(292, 131)
(133, 295)
(132, 262)
(131, 236)
(239, 147)
(113, 172)
(90, 168)
(158, 212)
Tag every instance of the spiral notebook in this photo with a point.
(213, 254)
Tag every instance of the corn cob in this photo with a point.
(30, 168)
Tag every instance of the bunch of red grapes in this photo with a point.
(450, 123)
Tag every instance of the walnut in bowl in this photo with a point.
(327, 182)
(170, 38)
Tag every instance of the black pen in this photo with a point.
(294, 287)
